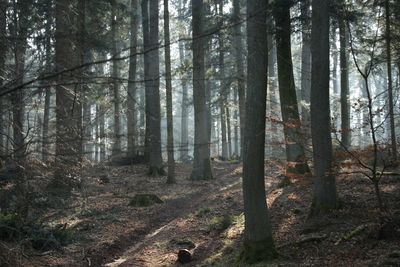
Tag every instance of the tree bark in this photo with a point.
(258, 243)
(131, 102)
(390, 81)
(241, 79)
(344, 87)
(152, 76)
(201, 164)
(184, 138)
(305, 62)
(168, 78)
(20, 21)
(68, 105)
(295, 156)
(325, 196)
(3, 54)
(115, 82)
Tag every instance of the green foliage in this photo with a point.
(13, 228)
(221, 223)
(144, 200)
(202, 212)
(10, 225)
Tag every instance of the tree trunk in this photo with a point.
(295, 156)
(305, 62)
(131, 102)
(152, 76)
(115, 82)
(390, 81)
(201, 163)
(20, 20)
(325, 196)
(240, 75)
(68, 106)
(168, 78)
(3, 54)
(258, 243)
(344, 87)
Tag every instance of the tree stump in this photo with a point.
(184, 256)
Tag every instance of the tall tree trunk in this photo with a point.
(272, 95)
(48, 69)
(305, 62)
(390, 81)
(115, 82)
(152, 76)
(325, 196)
(201, 163)
(132, 107)
(223, 86)
(3, 54)
(239, 52)
(21, 20)
(335, 59)
(344, 86)
(168, 78)
(184, 138)
(295, 156)
(68, 105)
(258, 243)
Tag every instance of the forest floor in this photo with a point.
(206, 217)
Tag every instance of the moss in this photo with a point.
(221, 223)
(144, 200)
(258, 251)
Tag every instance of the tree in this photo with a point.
(115, 81)
(295, 156)
(68, 105)
(344, 85)
(258, 243)
(223, 91)
(48, 69)
(325, 196)
(168, 88)
(201, 163)
(3, 53)
(20, 26)
(152, 84)
(184, 138)
(305, 61)
(131, 105)
(238, 49)
(390, 80)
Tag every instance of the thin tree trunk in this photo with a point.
(20, 26)
(131, 102)
(325, 196)
(239, 53)
(115, 83)
(258, 240)
(295, 156)
(168, 78)
(344, 87)
(229, 132)
(201, 164)
(390, 81)
(3, 53)
(305, 62)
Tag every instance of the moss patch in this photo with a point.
(144, 200)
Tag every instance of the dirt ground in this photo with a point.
(207, 218)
